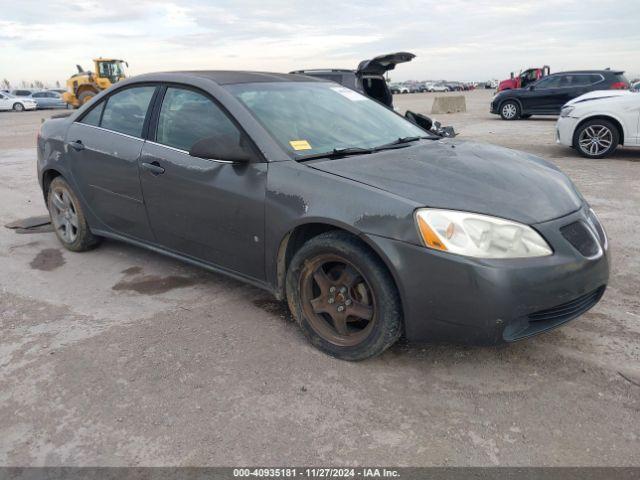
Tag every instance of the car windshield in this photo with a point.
(309, 118)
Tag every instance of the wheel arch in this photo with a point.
(514, 99)
(600, 116)
(296, 237)
(47, 177)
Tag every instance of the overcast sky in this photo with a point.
(453, 39)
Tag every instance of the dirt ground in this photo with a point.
(120, 356)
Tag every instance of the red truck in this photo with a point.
(525, 78)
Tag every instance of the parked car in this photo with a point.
(48, 99)
(24, 92)
(369, 226)
(597, 122)
(550, 93)
(636, 87)
(368, 78)
(399, 88)
(9, 102)
(438, 87)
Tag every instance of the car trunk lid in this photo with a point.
(383, 63)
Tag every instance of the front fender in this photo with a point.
(298, 195)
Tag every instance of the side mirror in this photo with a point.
(418, 119)
(215, 148)
(532, 87)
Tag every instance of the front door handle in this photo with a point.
(153, 167)
(77, 145)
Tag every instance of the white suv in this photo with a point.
(9, 102)
(597, 122)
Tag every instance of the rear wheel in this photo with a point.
(18, 107)
(343, 298)
(68, 219)
(596, 138)
(510, 110)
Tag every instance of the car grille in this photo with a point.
(568, 310)
(579, 235)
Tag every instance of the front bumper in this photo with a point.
(458, 299)
(565, 128)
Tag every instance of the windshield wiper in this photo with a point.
(343, 152)
(337, 153)
(401, 141)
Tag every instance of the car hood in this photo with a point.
(599, 95)
(465, 176)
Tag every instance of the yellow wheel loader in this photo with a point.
(84, 85)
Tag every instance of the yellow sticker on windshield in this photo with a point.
(300, 145)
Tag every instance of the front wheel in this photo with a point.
(18, 107)
(596, 138)
(68, 219)
(86, 96)
(510, 110)
(343, 298)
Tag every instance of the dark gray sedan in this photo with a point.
(369, 226)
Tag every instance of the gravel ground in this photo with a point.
(120, 356)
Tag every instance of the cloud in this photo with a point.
(456, 39)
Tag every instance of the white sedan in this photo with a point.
(597, 122)
(9, 102)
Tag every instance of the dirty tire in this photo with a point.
(374, 282)
(510, 110)
(18, 107)
(596, 138)
(79, 237)
(86, 96)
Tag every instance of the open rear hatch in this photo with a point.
(383, 63)
(371, 72)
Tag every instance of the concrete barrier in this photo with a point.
(451, 104)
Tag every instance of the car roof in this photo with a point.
(230, 77)
(615, 72)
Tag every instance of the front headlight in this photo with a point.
(479, 236)
(566, 111)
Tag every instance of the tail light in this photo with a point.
(619, 86)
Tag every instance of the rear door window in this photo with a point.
(581, 80)
(126, 110)
(187, 116)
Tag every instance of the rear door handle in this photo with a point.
(153, 167)
(77, 145)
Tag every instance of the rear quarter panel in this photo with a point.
(51, 147)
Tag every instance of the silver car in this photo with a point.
(48, 99)
(19, 104)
